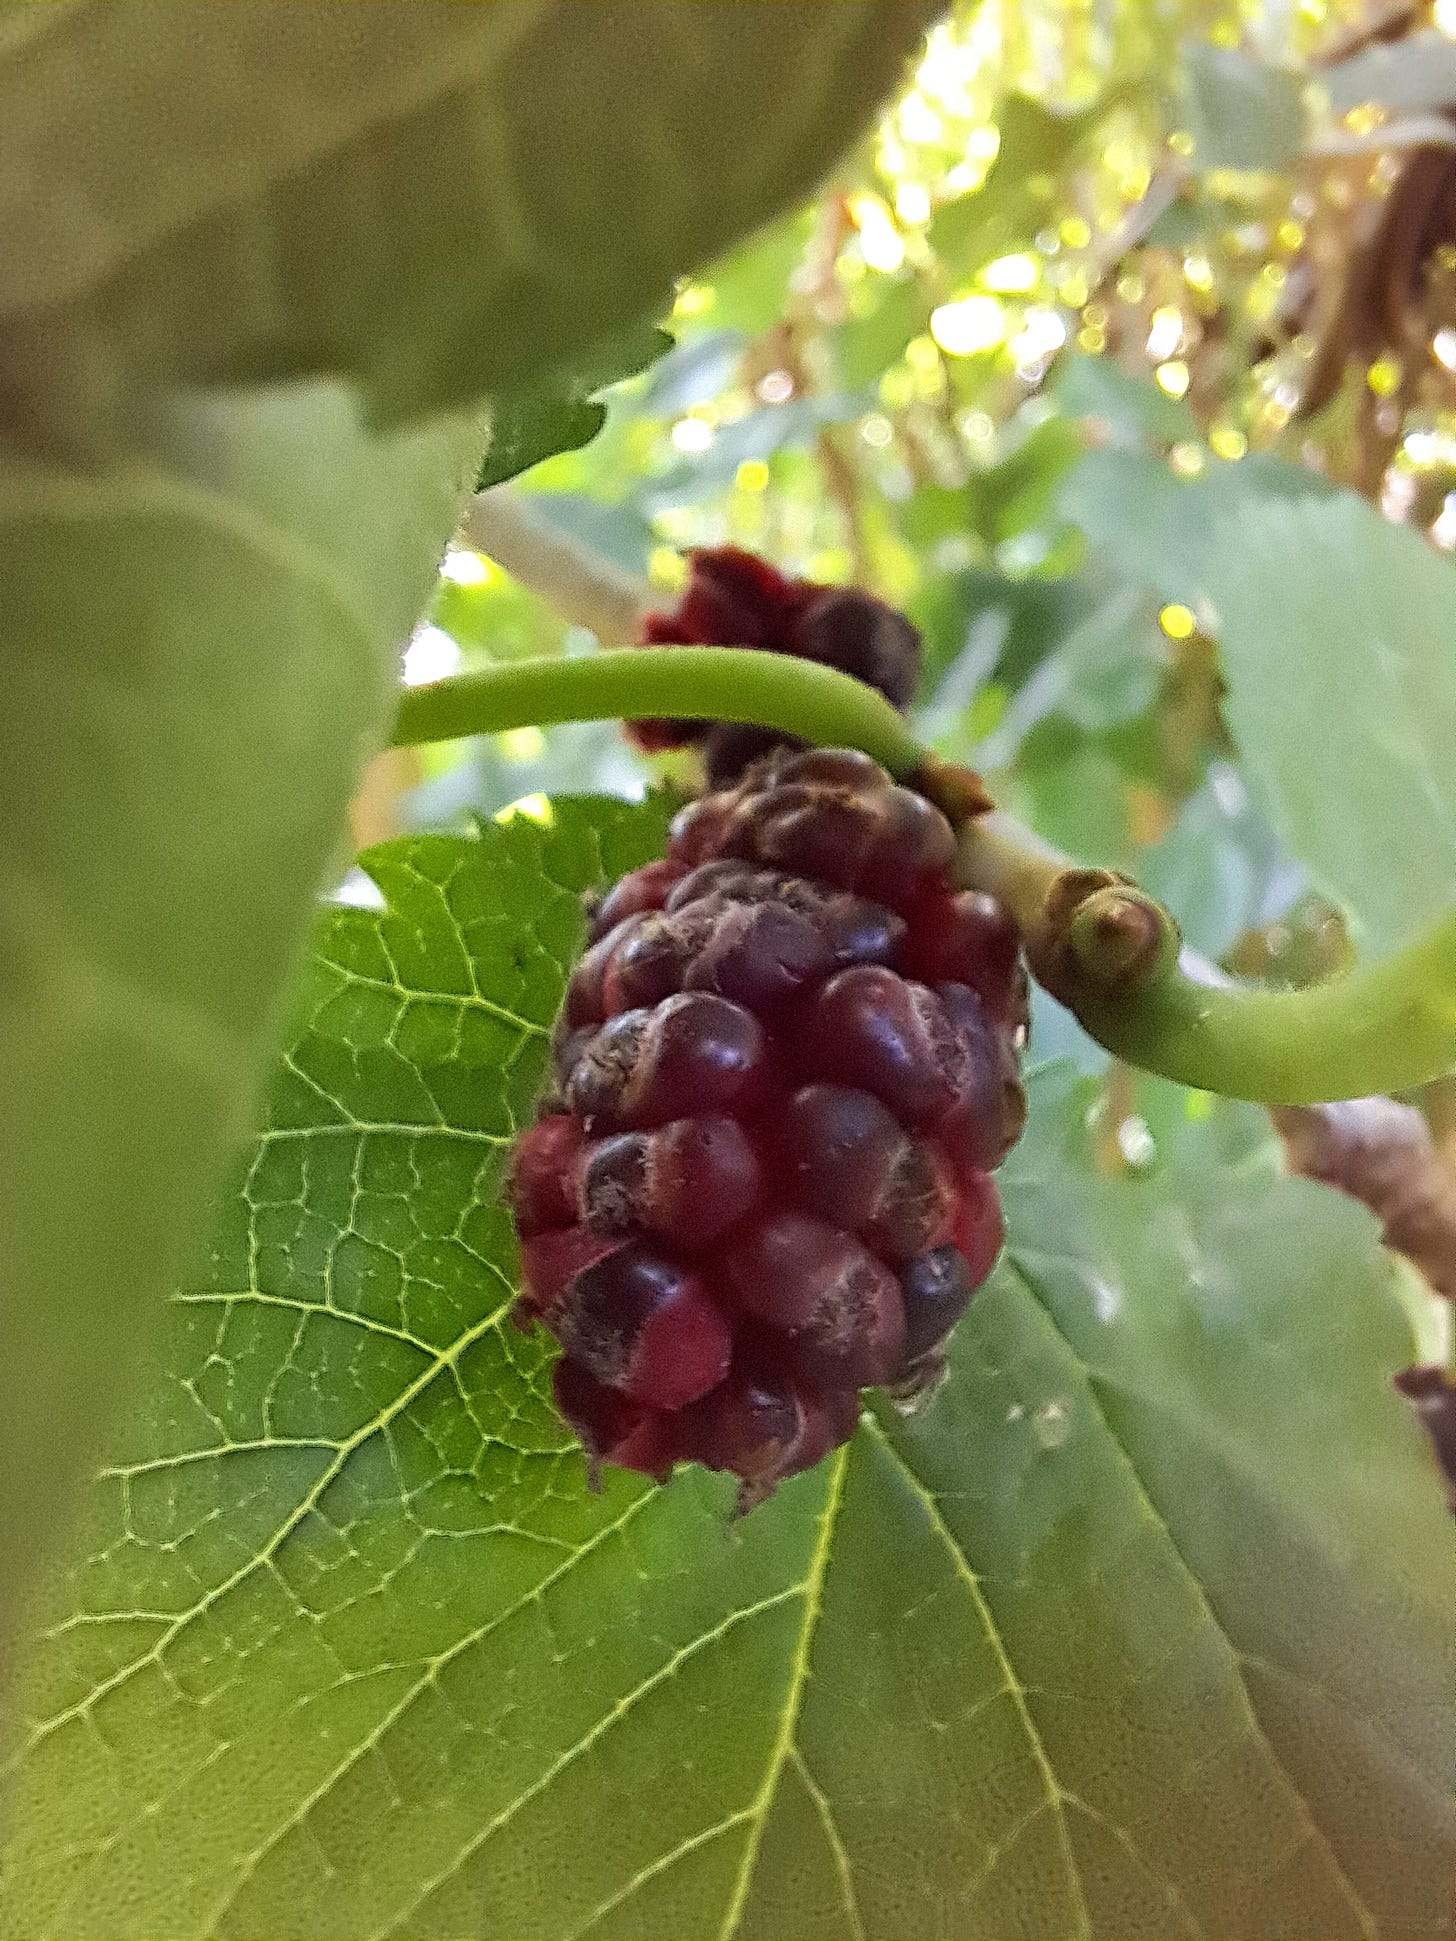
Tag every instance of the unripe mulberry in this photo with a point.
(734, 599)
(786, 1065)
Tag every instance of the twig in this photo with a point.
(1162, 192)
(580, 585)
(1382, 1153)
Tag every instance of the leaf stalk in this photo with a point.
(802, 698)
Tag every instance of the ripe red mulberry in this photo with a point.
(734, 599)
(786, 1065)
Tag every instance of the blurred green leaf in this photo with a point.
(1020, 489)
(1113, 1639)
(1025, 619)
(561, 413)
(1194, 1134)
(1241, 113)
(694, 371)
(1151, 522)
(747, 285)
(1103, 670)
(620, 532)
(200, 641)
(760, 434)
(498, 618)
(1189, 220)
(872, 340)
(500, 770)
(206, 582)
(1335, 635)
(1071, 789)
(1220, 867)
(440, 202)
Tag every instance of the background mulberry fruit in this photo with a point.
(734, 599)
(785, 1067)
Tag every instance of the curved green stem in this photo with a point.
(1385, 1027)
(818, 704)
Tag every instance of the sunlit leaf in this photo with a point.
(760, 434)
(1012, 201)
(1158, 526)
(1404, 76)
(1133, 410)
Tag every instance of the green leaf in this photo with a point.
(562, 413)
(746, 287)
(438, 201)
(1143, 1627)
(200, 642)
(1335, 635)
(978, 623)
(1241, 113)
(897, 308)
(694, 371)
(620, 533)
(411, 206)
(1189, 221)
(1019, 490)
(1219, 867)
(1072, 791)
(1104, 671)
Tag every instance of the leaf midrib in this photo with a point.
(813, 1588)
(1054, 1794)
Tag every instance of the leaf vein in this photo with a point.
(835, 1841)
(813, 1590)
(265, 1555)
(617, 1712)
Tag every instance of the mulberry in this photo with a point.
(785, 1066)
(734, 599)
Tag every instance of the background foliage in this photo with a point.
(1120, 352)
